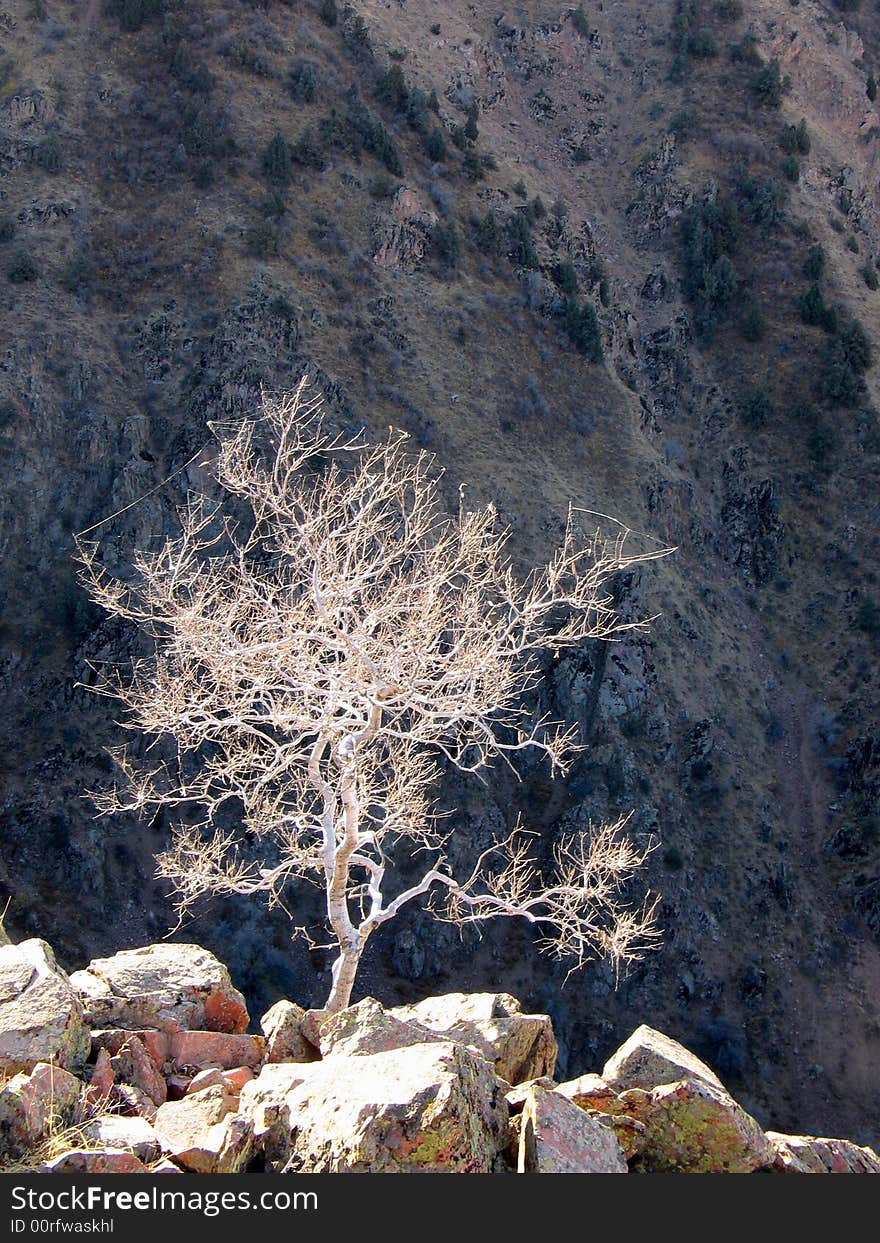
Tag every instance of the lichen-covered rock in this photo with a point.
(520, 1046)
(556, 1137)
(202, 1133)
(368, 1028)
(649, 1058)
(429, 1108)
(282, 1028)
(95, 1161)
(31, 1104)
(692, 1127)
(128, 1134)
(808, 1154)
(41, 1015)
(166, 986)
(588, 1092)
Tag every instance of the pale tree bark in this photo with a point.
(309, 665)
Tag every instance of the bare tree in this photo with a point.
(312, 659)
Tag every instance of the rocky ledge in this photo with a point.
(144, 1063)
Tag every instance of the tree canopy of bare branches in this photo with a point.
(311, 660)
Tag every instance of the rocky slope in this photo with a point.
(140, 1063)
(430, 260)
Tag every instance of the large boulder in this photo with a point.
(367, 1028)
(199, 1050)
(165, 986)
(520, 1046)
(41, 1016)
(808, 1154)
(427, 1108)
(203, 1134)
(649, 1058)
(556, 1137)
(692, 1127)
(264, 1104)
(33, 1104)
(282, 1029)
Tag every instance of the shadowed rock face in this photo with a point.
(167, 283)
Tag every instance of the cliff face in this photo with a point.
(159, 265)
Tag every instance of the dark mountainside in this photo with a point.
(620, 253)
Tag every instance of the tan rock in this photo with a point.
(405, 232)
(368, 1028)
(202, 1134)
(517, 1097)
(520, 1046)
(95, 1161)
(282, 1027)
(165, 1167)
(809, 1154)
(41, 1015)
(166, 986)
(199, 1050)
(264, 1103)
(32, 1104)
(649, 1058)
(130, 1134)
(556, 1137)
(426, 1108)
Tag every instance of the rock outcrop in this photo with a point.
(521, 1046)
(166, 986)
(41, 1016)
(454, 1084)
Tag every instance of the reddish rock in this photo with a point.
(202, 1049)
(224, 1013)
(211, 1078)
(102, 1080)
(156, 1043)
(236, 1078)
(132, 1101)
(133, 1064)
